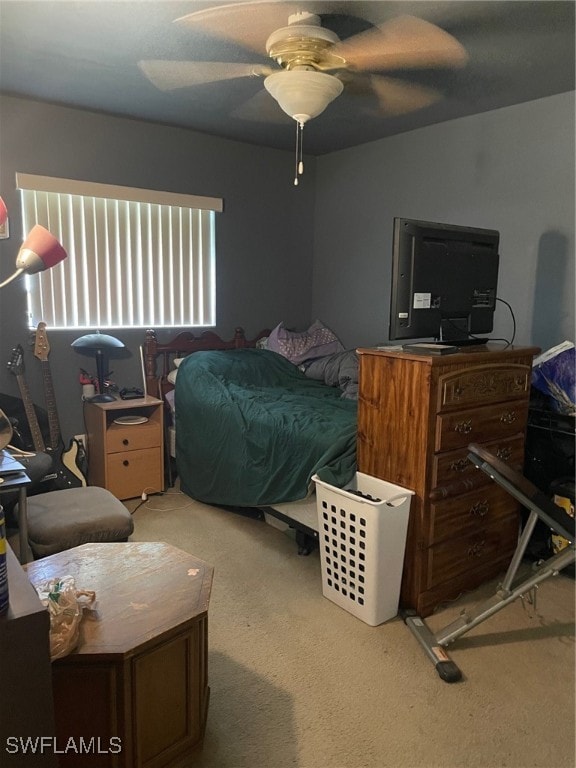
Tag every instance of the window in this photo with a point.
(136, 258)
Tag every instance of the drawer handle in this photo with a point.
(125, 441)
(460, 466)
(509, 417)
(504, 454)
(126, 463)
(464, 427)
(480, 509)
(476, 549)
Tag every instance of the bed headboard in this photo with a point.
(158, 357)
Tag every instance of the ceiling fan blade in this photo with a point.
(262, 108)
(397, 97)
(249, 24)
(402, 42)
(171, 75)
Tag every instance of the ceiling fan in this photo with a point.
(311, 66)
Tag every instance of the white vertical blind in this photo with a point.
(132, 262)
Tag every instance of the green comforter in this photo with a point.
(252, 429)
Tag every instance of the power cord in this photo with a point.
(137, 507)
(188, 503)
(144, 498)
(509, 343)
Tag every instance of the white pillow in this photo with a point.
(172, 375)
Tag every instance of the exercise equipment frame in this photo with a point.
(540, 507)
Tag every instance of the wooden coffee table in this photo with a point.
(139, 673)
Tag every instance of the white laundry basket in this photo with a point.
(362, 540)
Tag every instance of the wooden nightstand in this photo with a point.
(127, 459)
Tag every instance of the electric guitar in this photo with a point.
(66, 461)
(16, 366)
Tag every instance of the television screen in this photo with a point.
(444, 282)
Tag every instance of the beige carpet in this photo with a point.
(297, 681)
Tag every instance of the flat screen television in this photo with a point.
(444, 282)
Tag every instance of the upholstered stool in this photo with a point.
(61, 520)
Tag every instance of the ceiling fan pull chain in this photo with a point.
(299, 162)
(296, 168)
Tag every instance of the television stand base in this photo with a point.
(470, 342)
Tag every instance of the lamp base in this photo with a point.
(101, 399)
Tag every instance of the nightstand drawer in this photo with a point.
(480, 425)
(131, 473)
(120, 437)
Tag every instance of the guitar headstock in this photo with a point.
(16, 362)
(41, 346)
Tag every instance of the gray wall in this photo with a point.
(322, 249)
(264, 261)
(511, 170)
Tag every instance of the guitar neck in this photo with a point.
(37, 439)
(53, 423)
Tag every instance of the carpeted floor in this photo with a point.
(297, 681)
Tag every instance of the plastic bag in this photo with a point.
(65, 605)
(554, 374)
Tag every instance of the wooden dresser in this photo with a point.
(416, 416)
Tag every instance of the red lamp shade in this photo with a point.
(39, 251)
(3, 212)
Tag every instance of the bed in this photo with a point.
(251, 426)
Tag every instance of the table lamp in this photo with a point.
(98, 344)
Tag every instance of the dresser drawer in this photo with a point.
(120, 437)
(131, 473)
(480, 425)
(454, 466)
(468, 513)
(483, 385)
(454, 557)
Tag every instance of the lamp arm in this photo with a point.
(12, 277)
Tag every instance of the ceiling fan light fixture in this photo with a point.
(303, 94)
